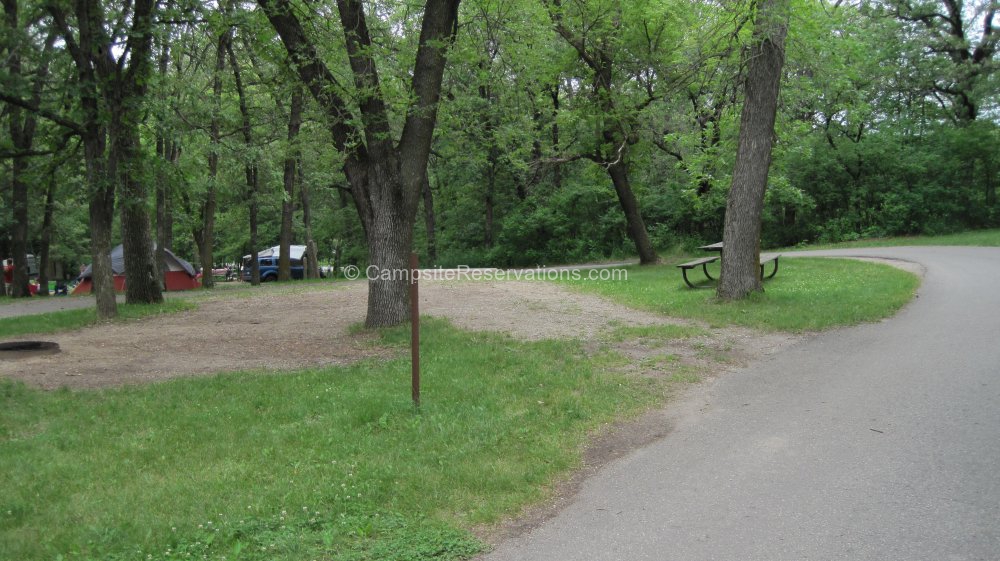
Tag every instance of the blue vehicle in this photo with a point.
(269, 269)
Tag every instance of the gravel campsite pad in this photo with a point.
(275, 330)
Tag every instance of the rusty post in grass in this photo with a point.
(414, 330)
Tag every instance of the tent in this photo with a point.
(179, 274)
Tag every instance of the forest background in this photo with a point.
(554, 114)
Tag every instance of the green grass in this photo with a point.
(321, 464)
(65, 320)
(989, 238)
(806, 295)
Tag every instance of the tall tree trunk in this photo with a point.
(633, 218)
(491, 180)
(169, 154)
(161, 205)
(253, 188)
(124, 89)
(101, 207)
(19, 228)
(288, 202)
(312, 254)
(429, 222)
(206, 235)
(22, 126)
(102, 213)
(142, 281)
(346, 232)
(250, 169)
(489, 126)
(557, 168)
(94, 66)
(745, 204)
(162, 188)
(385, 176)
(168, 203)
(46, 241)
(991, 183)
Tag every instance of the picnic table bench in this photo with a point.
(704, 261)
(765, 258)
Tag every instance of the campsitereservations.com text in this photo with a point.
(464, 272)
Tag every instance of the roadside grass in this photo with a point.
(808, 294)
(330, 463)
(66, 320)
(988, 238)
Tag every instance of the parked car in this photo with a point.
(269, 269)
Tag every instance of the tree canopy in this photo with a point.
(491, 132)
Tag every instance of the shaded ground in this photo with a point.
(274, 330)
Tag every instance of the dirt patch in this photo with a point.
(529, 310)
(226, 333)
(273, 330)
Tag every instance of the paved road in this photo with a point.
(46, 304)
(879, 442)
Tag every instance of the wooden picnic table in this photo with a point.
(717, 247)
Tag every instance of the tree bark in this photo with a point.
(142, 280)
(91, 57)
(557, 168)
(22, 126)
(46, 241)
(312, 267)
(250, 170)
(162, 189)
(205, 236)
(288, 203)
(385, 176)
(633, 218)
(111, 92)
(429, 222)
(161, 205)
(123, 92)
(745, 204)
(19, 227)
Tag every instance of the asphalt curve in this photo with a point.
(877, 442)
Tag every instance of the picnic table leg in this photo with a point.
(684, 272)
(704, 267)
(774, 272)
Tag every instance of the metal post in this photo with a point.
(414, 330)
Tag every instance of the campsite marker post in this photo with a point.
(414, 331)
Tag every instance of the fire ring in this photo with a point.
(24, 349)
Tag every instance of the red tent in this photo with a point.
(179, 275)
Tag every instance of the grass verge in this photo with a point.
(321, 464)
(987, 238)
(66, 320)
(806, 295)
